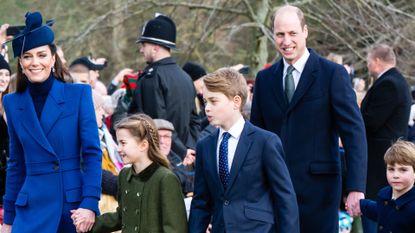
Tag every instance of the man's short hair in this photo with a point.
(401, 152)
(229, 82)
(298, 11)
(383, 52)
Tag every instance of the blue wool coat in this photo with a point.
(46, 176)
(391, 215)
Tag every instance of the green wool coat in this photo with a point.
(149, 202)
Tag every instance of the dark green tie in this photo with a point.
(289, 83)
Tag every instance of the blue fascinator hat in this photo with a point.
(33, 35)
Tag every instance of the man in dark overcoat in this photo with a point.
(385, 110)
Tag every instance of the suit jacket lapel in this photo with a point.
(53, 107)
(30, 122)
(212, 159)
(244, 144)
(276, 84)
(307, 78)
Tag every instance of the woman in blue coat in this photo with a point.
(55, 158)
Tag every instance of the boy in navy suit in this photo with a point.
(394, 210)
(242, 183)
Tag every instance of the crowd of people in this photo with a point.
(179, 149)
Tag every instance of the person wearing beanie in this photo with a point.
(164, 90)
(51, 124)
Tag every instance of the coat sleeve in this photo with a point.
(378, 109)
(91, 153)
(369, 209)
(282, 189)
(349, 123)
(174, 211)
(110, 222)
(16, 171)
(200, 210)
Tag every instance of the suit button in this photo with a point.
(385, 203)
(380, 227)
(136, 228)
(138, 194)
(397, 207)
(137, 211)
(226, 202)
(124, 209)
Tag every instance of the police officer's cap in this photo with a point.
(161, 30)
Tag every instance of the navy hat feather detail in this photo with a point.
(161, 30)
(33, 35)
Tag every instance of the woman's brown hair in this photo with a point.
(59, 73)
(142, 127)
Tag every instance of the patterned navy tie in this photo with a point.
(289, 83)
(223, 160)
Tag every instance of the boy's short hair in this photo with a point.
(401, 152)
(228, 82)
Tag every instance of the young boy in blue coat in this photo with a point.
(394, 211)
(242, 183)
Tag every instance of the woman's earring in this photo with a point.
(53, 69)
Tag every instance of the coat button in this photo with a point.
(137, 211)
(385, 203)
(380, 227)
(126, 191)
(56, 166)
(138, 194)
(397, 207)
(226, 202)
(124, 209)
(136, 228)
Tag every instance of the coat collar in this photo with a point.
(307, 78)
(145, 174)
(385, 194)
(52, 110)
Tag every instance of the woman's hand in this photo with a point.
(83, 219)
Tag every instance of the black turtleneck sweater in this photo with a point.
(39, 93)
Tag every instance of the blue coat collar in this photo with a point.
(51, 111)
(386, 194)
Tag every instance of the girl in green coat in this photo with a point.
(149, 194)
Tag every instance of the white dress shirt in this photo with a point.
(298, 68)
(235, 132)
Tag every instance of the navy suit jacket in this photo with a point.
(45, 176)
(260, 197)
(322, 108)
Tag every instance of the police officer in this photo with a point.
(164, 90)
